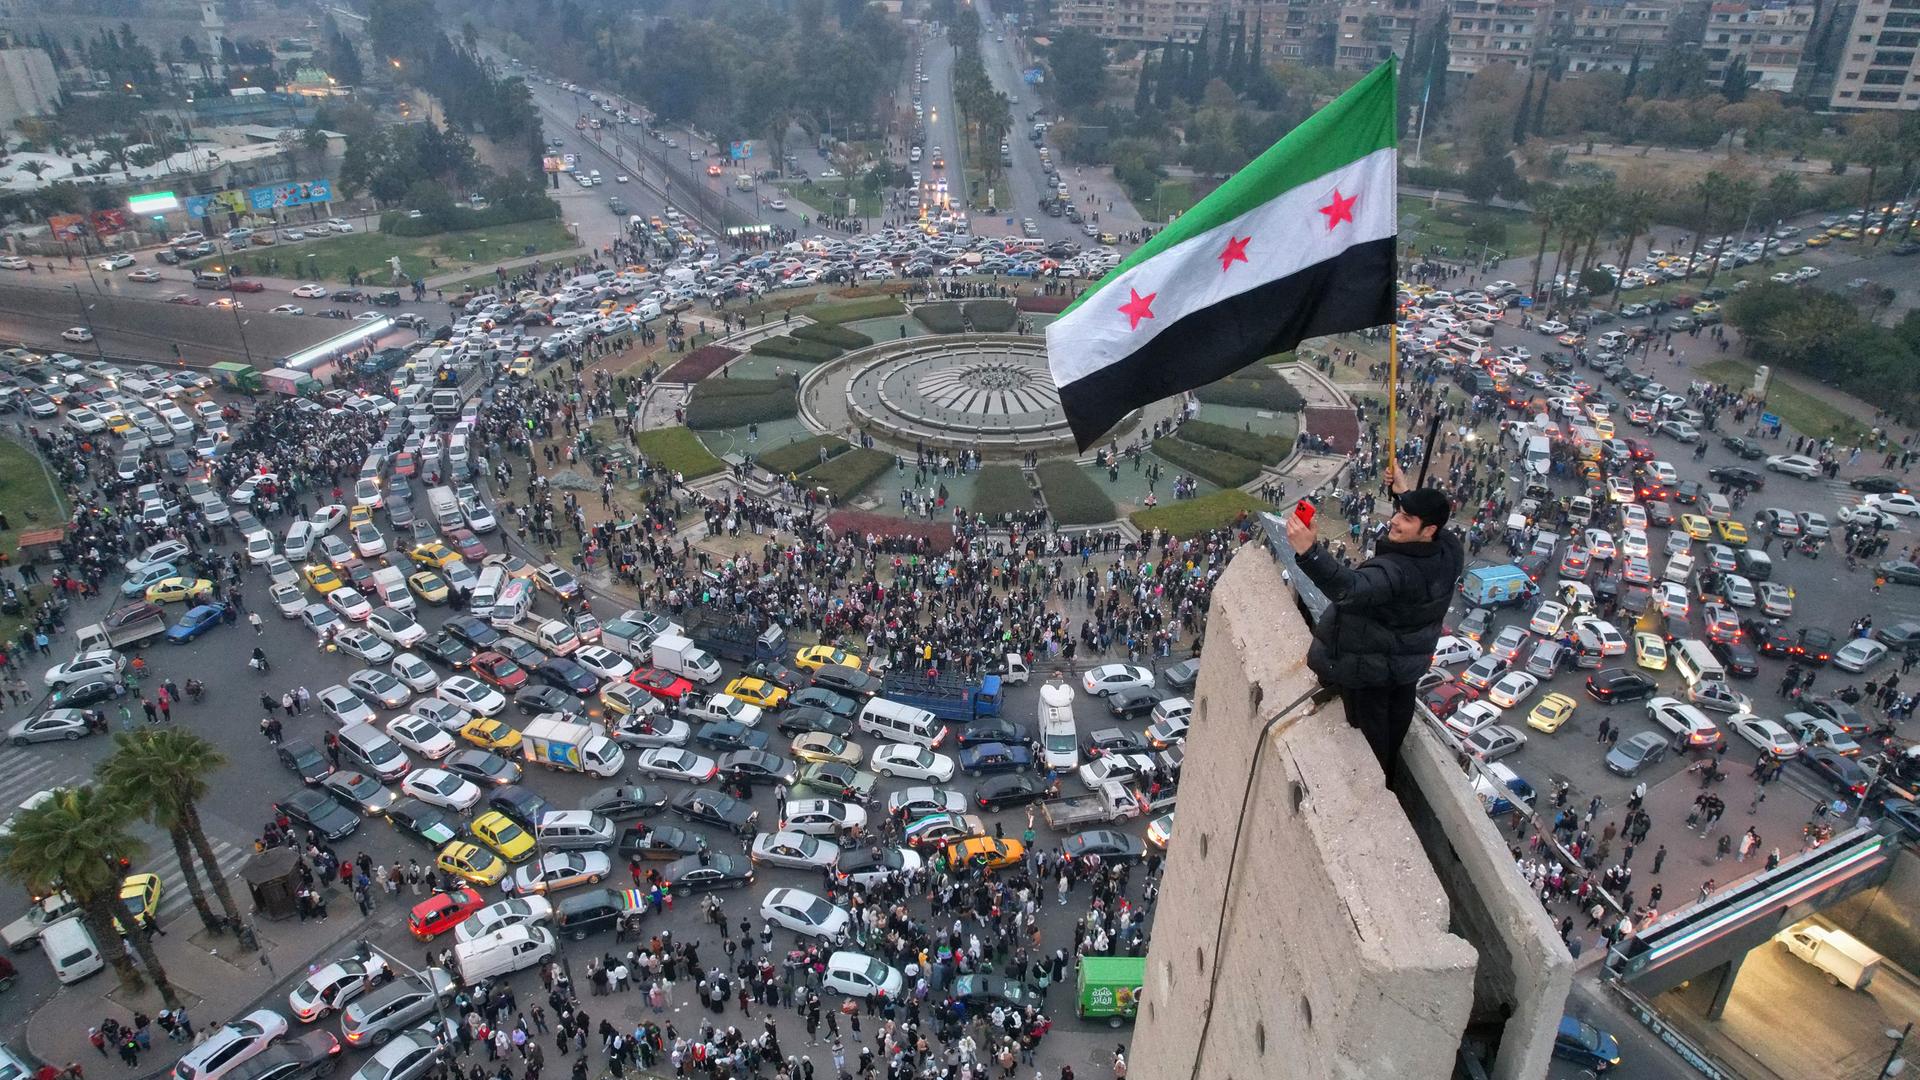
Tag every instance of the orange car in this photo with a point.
(986, 852)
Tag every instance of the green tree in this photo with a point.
(1734, 83)
(1079, 70)
(1143, 93)
(162, 774)
(1520, 114)
(1548, 206)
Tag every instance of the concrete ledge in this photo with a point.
(1319, 944)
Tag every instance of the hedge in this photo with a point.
(991, 316)
(1000, 489)
(846, 475)
(946, 317)
(787, 347)
(1264, 449)
(1225, 470)
(876, 307)
(680, 450)
(699, 364)
(1045, 305)
(727, 403)
(805, 454)
(1191, 517)
(1257, 387)
(1073, 498)
(832, 334)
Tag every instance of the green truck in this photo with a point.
(1110, 987)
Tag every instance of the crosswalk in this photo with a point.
(174, 897)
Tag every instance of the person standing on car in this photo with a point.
(1376, 637)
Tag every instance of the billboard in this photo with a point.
(153, 202)
(67, 226)
(554, 163)
(292, 193)
(108, 222)
(220, 202)
(741, 150)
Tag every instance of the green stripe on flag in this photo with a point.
(1353, 125)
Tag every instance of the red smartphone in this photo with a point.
(1304, 510)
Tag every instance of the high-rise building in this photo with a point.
(1483, 32)
(1877, 62)
(1144, 21)
(1369, 31)
(1770, 36)
(1605, 35)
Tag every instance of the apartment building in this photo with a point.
(1369, 31)
(1483, 32)
(1145, 21)
(1877, 65)
(1604, 35)
(1771, 37)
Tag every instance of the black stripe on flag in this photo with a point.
(1351, 291)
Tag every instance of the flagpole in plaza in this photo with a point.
(1393, 382)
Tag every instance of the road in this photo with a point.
(1027, 179)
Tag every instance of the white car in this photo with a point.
(310, 291)
(321, 619)
(1451, 650)
(349, 603)
(334, 985)
(441, 788)
(804, 913)
(1894, 503)
(1471, 717)
(1795, 465)
(368, 541)
(1612, 643)
(416, 673)
(116, 262)
(1552, 327)
(1547, 620)
(1821, 731)
(1513, 688)
(793, 849)
(441, 713)
(230, 1045)
(857, 975)
(357, 642)
(421, 735)
(1858, 655)
(288, 598)
(396, 626)
(346, 707)
(328, 517)
(501, 914)
(1871, 517)
(1776, 600)
(912, 762)
(1684, 720)
(286, 309)
(822, 817)
(602, 662)
(1767, 736)
(1634, 543)
(1107, 678)
(1600, 544)
(556, 870)
(165, 551)
(472, 695)
(84, 666)
(677, 764)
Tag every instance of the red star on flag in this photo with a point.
(1339, 210)
(1236, 251)
(1137, 308)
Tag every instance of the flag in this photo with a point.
(1297, 244)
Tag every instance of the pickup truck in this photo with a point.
(696, 707)
(739, 639)
(21, 933)
(1110, 802)
(124, 628)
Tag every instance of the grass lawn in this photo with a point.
(1171, 198)
(368, 252)
(1801, 411)
(1425, 227)
(1188, 517)
(830, 198)
(677, 448)
(27, 498)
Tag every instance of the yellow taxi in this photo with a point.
(1819, 240)
(815, 657)
(1731, 531)
(179, 588)
(358, 516)
(321, 578)
(1553, 711)
(759, 692)
(430, 587)
(1696, 526)
(1847, 234)
(1604, 425)
(490, 734)
(433, 554)
(1650, 651)
(471, 862)
(119, 423)
(1705, 307)
(140, 894)
(986, 852)
(520, 367)
(503, 835)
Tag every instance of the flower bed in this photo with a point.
(699, 364)
(1073, 497)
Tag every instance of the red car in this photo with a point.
(467, 544)
(248, 286)
(442, 912)
(404, 463)
(661, 684)
(491, 667)
(1447, 697)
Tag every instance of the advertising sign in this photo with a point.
(154, 202)
(1033, 76)
(553, 163)
(293, 193)
(220, 202)
(67, 226)
(741, 150)
(108, 222)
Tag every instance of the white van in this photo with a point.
(486, 591)
(901, 723)
(299, 543)
(71, 949)
(514, 948)
(1696, 663)
(1540, 454)
(1611, 340)
(511, 603)
(1059, 736)
(259, 544)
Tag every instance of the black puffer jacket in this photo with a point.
(1385, 614)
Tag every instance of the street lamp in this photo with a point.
(368, 948)
(86, 316)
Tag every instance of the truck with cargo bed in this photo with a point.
(446, 508)
(126, 627)
(552, 741)
(954, 698)
(739, 639)
(631, 635)
(1110, 802)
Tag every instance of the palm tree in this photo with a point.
(1633, 218)
(1736, 207)
(1547, 208)
(75, 842)
(162, 774)
(1709, 189)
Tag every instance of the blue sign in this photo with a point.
(295, 193)
(1770, 419)
(1033, 76)
(741, 150)
(1526, 301)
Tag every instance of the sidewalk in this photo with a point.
(551, 258)
(213, 979)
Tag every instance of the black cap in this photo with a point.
(1427, 504)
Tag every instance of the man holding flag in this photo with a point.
(1299, 243)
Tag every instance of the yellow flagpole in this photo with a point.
(1393, 384)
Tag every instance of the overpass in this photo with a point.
(137, 327)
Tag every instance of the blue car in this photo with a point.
(196, 622)
(1582, 1043)
(994, 757)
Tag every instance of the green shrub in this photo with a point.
(680, 450)
(991, 316)
(873, 307)
(846, 475)
(460, 219)
(947, 317)
(1225, 470)
(1264, 449)
(833, 334)
(727, 403)
(802, 455)
(1000, 489)
(1264, 390)
(1073, 498)
(792, 348)
(1191, 517)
